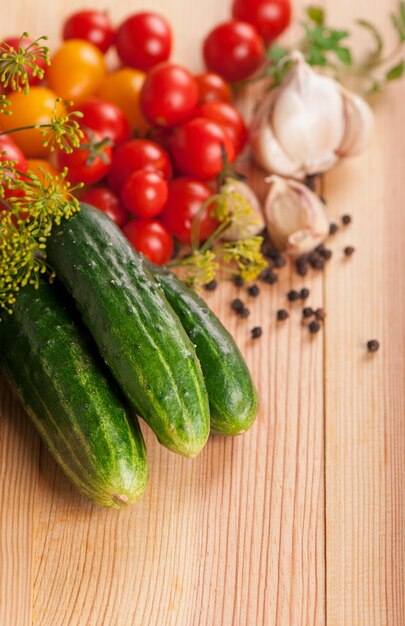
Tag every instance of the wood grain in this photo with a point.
(299, 522)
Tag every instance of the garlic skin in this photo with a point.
(243, 231)
(295, 217)
(306, 124)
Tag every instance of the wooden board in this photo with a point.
(301, 521)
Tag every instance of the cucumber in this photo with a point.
(53, 366)
(232, 395)
(137, 333)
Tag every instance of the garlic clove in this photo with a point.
(295, 217)
(308, 118)
(264, 146)
(252, 227)
(359, 124)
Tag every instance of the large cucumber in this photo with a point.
(232, 395)
(136, 331)
(53, 365)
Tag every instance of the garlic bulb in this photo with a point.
(306, 124)
(242, 229)
(295, 216)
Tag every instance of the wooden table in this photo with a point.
(299, 522)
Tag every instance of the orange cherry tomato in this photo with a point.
(37, 107)
(41, 167)
(76, 70)
(123, 88)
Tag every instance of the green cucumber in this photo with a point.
(232, 395)
(53, 365)
(137, 332)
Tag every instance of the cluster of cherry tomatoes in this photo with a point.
(155, 136)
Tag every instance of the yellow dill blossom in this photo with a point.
(232, 206)
(16, 66)
(246, 253)
(201, 268)
(64, 131)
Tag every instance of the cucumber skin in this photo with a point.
(53, 366)
(231, 392)
(135, 329)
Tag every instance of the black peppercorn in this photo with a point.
(373, 345)
(348, 250)
(256, 332)
(279, 262)
(269, 277)
(317, 262)
(307, 312)
(314, 327)
(333, 228)
(244, 312)
(301, 265)
(238, 281)
(282, 315)
(304, 293)
(326, 254)
(320, 314)
(253, 290)
(237, 305)
(211, 286)
(346, 219)
(293, 295)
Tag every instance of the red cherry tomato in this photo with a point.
(212, 88)
(269, 17)
(151, 238)
(144, 40)
(198, 148)
(105, 117)
(87, 164)
(169, 95)
(144, 193)
(9, 151)
(186, 197)
(13, 44)
(135, 155)
(233, 49)
(93, 26)
(230, 120)
(106, 200)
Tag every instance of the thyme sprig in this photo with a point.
(242, 257)
(17, 66)
(329, 48)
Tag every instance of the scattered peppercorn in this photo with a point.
(273, 254)
(282, 315)
(253, 291)
(317, 262)
(256, 332)
(327, 254)
(301, 265)
(373, 345)
(333, 228)
(237, 305)
(238, 281)
(314, 327)
(293, 295)
(304, 293)
(320, 314)
(307, 312)
(244, 312)
(346, 219)
(280, 262)
(348, 250)
(211, 286)
(269, 277)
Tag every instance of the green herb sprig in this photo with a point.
(329, 48)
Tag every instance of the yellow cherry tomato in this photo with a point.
(37, 107)
(76, 70)
(123, 88)
(41, 167)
